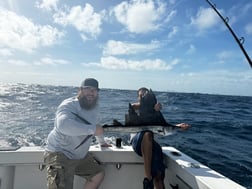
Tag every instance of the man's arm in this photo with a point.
(100, 137)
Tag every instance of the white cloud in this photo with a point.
(170, 16)
(213, 82)
(173, 32)
(123, 48)
(140, 16)
(5, 52)
(248, 28)
(205, 19)
(113, 63)
(84, 19)
(18, 32)
(50, 61)
(17, 62)
(48, 4)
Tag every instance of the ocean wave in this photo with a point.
(219, 137)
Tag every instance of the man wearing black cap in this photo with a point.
(66, 152)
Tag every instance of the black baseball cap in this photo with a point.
(90, 82)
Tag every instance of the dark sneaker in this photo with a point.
(148, 184)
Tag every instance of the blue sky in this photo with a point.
(166, 45)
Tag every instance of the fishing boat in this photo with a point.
(22, 168)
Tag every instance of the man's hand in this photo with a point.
(183, 126)
(158, 106)
(99, 133)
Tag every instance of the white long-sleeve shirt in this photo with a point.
(70, 130)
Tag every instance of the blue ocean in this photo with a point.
(220, 136)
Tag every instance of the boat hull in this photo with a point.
(21, 169)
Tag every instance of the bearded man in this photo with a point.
(66, 152)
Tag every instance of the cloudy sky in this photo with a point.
(166, 45)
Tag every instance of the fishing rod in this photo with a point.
(239, 41)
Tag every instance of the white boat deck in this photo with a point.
(20, 169)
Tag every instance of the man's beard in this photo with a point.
(87, 104)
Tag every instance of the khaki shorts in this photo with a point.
(61, 170)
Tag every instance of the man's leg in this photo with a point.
(60, 173)
(159, 182)
(142, 144)
(95, 181)
(146, 147)
(158, 167)
(90, 169)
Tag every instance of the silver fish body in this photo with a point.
(157, 129)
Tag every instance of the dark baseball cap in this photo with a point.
(90, 82)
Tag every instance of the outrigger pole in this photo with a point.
(239, 41)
